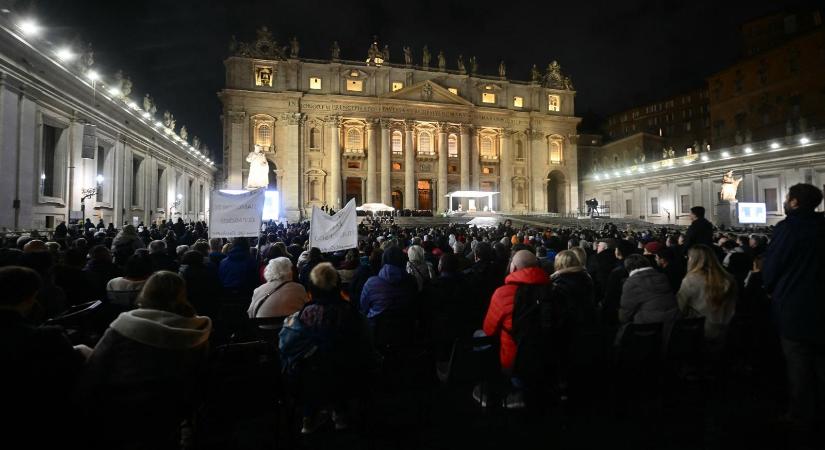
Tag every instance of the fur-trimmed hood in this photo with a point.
(163, 329)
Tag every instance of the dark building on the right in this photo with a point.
(778, 87)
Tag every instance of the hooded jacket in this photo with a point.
(647, 298)
(238, 270)
(392, 290)
(499, 319)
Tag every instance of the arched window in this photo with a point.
(519, 150)
(264, 137)
(452, 146)
(355, 143)
(314, 138)
(425, 143)
(314, 190)
(487, 150)
(396, 142)
(555, 151)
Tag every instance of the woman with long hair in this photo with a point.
(708, 291)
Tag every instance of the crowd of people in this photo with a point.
(534, 290)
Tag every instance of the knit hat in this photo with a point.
(394, 257)
(653, 247)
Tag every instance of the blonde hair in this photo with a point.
(703, 262)
(415, 253)
(566, 259)
(165, 291)
(324, 277)
(581, 254)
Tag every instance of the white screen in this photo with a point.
(752, 213)
(271, 205)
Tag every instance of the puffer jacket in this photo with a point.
(393, 289)
(647, 298)
(499, 319)
(238, 271)
(574, 287)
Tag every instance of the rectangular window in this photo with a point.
(396, 166)
(314, 83)
(654, 205)
(453, 169)
(628, 206)
(50, 137)
(397, 86)
(771, 205)
(453, 90)
(355, 85)
(684, 203)
(136, 163)
(488, 97)
(553, 103)
(518, 102)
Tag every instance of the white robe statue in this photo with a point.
(729, 187)
(258, 170)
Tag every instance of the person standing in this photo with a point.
(700, 230)
(794, 274)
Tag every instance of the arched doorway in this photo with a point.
(425, 200)
(353, 185)
(556, 195)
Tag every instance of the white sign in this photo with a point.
(235, 214)
(333, 233)
(752, 213)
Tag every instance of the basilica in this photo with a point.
(404, 132)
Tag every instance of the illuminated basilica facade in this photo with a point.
(402, 134)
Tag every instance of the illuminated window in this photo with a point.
(264, 137)
(452, 146)
(314, 83)
(354, 140)
(355, 85)
(555, 152)
(553, 103)
(396, 142)
(488, 97)
(425, 143)
(397, 86)
(518, 102)
(487, 170)
(453, 90)
(487, 150)
(263, 76)
(396, 166)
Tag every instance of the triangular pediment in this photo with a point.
(427, 91)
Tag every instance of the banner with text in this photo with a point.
(336, 232)
(235, 215)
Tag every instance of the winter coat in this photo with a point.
(124, 246)
(794, 273)
(499, 319)
(203, 288)
(700, 231)
(393, 290)
(238, 271)
(289, 298)
(613, 296)
(143, 378)
(98, 274)
(422, 271)
(693, 303)
(573, 287)
(647, 298)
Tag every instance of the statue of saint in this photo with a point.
(534, 74)
(664, 153)
(294, 47)
(167, 119)
(473, 65)
(442, 61)
(461, 64)
(374, 52)
(87, 59)
(184, 133)
(258, 169)
(408, 56)
(386, 53)
(502, 70)
(425, 57)
(196, 142)
(147, 103)
(729, 186)
(126, 87)
(335, 51)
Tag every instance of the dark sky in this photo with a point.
(619, 53)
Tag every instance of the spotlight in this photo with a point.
(705, 157)
(92, 75)
(146, 115)
(725, 154)
(804, 140)
(774, 145)
(64, 54)
(114, 92)
(748, 150)
(29, 27)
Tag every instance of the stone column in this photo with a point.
(290, 185)
(386, 161)
(474, 159)
(237, 149)
(442, 167)
(335, 162)
(409, 165)
(372, 163)
(465, 157)
(505, 170)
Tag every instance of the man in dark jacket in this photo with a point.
(239, 271)
(700, 230)
(794, 273)
(392, 290)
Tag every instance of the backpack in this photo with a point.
(539, 321)
(295, 346)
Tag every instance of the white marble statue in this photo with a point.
(258, 169)
(729, 186)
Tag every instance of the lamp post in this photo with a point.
(88, 193)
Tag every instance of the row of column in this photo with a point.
(469, 155)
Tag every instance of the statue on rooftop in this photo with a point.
(294, 47)
(408, 57)
(534, 74)
(126, 87)
(196, 142)
(147, 103)
(442, 61)
(502, 70)
(425, 57)
(335, 51)
(168, 120)
(473, 65)
(374, 52)
(460, 64)
(386, 53)
(184, 133)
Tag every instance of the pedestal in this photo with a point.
(726, 214)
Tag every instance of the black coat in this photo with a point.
(203, 288)
(699, 232)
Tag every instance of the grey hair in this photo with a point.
(157, 246)
(415, 253)
(278, 269)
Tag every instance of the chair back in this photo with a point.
(472, 359)
(641, 344)
(393, 330)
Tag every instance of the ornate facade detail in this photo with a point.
(427, 92)
(264, 47)
(502, 70)
(554, 79)
(442, 61)
(335, 51)
(425, 58)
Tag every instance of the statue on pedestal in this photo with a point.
(473, 65)
(460, 63)
(408, 56)
(425, 58)
(442, 61)
(386, 53)
(184, 133)
(335, 51)
(502, 70)
(147, 103)
(258, 169)
(535, 75)
(196, 142)
(294, 47)
(729, 187)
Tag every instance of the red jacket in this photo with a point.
(500, 314)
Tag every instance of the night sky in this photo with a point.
(619, 54)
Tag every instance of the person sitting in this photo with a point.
(708, 291)
(40, 366)
(280, 296)
(449, 305)
(238, 271)
(203, 289)
(646, 295)
(392, 290)
(418, 267)
(123, 291)
(348, 268)
(99, 270)
(145, 372)
(160, 257)
(669, 263)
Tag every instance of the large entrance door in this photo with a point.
(556, 192)
(354, 190)
(425, 193)
(397, 200)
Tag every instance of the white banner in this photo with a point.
(235, 215)
(333, 233)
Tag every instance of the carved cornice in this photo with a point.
(465, 128)
(385, 123)
(237, 116)
(442, 127)
(409, 125)
(372, 124)
(333, 121)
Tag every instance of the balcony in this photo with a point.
(426, 156)
(354, 153)
(489, 158)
